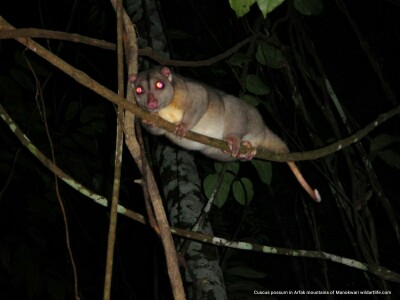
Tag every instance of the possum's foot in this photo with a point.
(249, 154)
(234, 147)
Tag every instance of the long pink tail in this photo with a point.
(313, 193)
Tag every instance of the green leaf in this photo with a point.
(269, 55)
(232, 167)
(209, 184)
(251, 100)
(256, 86)
(390, 157)
(218, 166)
(264, 170)
(238, 59)
(243, 191)
(266, 6)
(246, 272)
(382, 141)
(241, 7)
(261, 53)
(308, 7)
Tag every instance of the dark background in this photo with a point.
(33, 258)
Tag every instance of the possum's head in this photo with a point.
(153, 88)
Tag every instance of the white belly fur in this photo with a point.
(206, 127)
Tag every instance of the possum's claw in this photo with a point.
(249, 154)
(234, 147)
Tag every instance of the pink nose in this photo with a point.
(152, 102)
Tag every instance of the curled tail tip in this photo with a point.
(317, 196)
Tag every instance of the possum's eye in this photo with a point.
(159, 85)
(139, 90)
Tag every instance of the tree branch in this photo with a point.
(55, 35)
(150, 53)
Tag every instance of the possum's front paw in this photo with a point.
(234, 146)
(180, 130)
(150, 127)
(148, 123)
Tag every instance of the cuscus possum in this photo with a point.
(194, 106)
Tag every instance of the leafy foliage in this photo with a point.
(256, 86)
(269, 55)
(226, 180)
(241, 8)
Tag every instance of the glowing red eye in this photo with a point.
(139, 90)
(159, 85)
